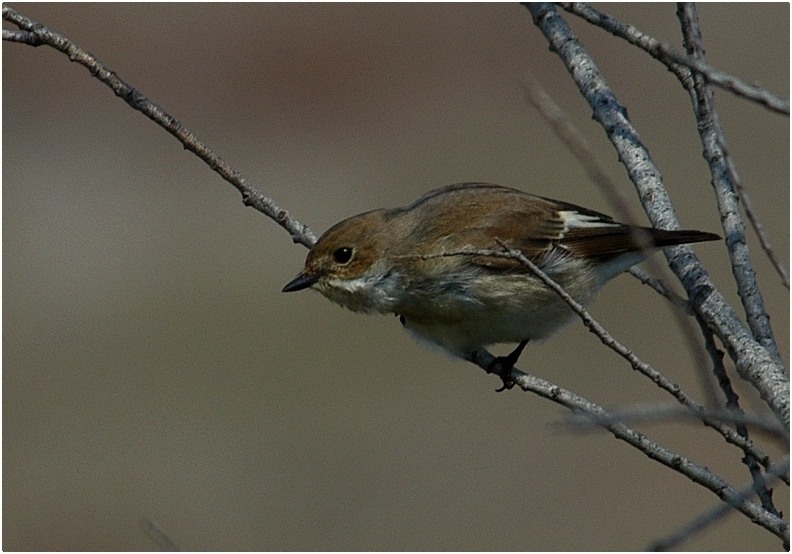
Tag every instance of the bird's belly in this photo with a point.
(507, 311)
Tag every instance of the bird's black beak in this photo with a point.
(302, 281)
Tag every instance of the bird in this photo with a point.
(437, 264)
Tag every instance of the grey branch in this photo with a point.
(682, 66)
(753, 361)
(650, 372)
(36, 34)
(673, 412)
(577, 144)
(661, 288)
(695, 472)
(731, 436)
(713, 140)
(666, 54)
(756, 223)
(706, 520)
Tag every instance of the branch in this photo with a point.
(699, 524)
(676, 62)
(753, 218)
(673, 412)
(729, 434)
(754, 363)
(36, 34)
(693, 471)
(733, 406)
(713, 140)
(661, 288)
(681, 65)
(653, 374)
(577, 144)
(158, 536)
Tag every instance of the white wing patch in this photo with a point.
(577, 220)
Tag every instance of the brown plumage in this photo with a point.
(396, 261)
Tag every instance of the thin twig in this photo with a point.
(38, 34)
(706, 520)
(733, 407)
(754, 363)
(159, 536)
(681, 65)
(693, 471)
(674, 412)
(577, 144)
(666, 54)
(729, 434)
(661, 288)
(756, 223)
(637, 364)
(650, 372)
(713, 139)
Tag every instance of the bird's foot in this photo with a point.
(502, 366)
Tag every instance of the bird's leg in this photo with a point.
(502, 366)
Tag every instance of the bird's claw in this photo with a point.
(503, 365)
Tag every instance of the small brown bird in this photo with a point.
(397, 261)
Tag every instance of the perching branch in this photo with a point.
(706, 520)
(608, 340)
(690, 469)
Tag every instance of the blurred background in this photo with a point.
(154, 372)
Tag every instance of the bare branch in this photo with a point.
(673, 412)
(713, 140)
(300, 233)
(575, 142)
(733, 407)
(580, 148)
(729, 434)
(674, 60)
(661, 289)
(706, 520)
(23, 37)
(650, 372)
(753, 218)
(753, 361)
(695, 472)
(680, 65)
(159, 536)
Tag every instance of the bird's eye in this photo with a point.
(343, 255)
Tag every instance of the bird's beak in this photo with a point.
(302, 281)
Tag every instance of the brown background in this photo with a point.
(153, 370)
